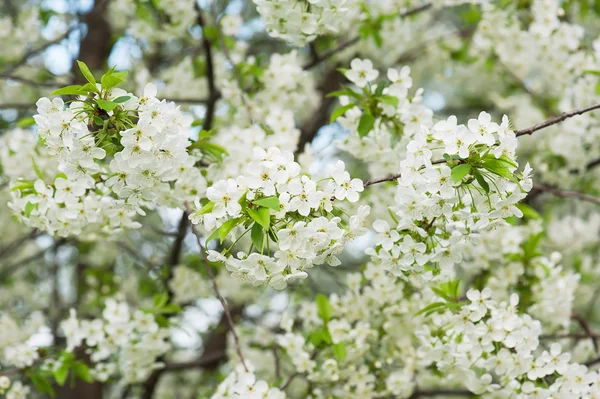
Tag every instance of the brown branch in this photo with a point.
(592, 362)
(537, 98)
(8, 270)
(556, 120)
(566, 193)
(519, 133)
(210, 75)
(209, 270)
(176, 249)
(329, 83)
(38, 50)
(441, 392)
(207, 360)
(189, 100)
(317, 59)
(17, 106)
(28, 82)
(214, 353)
(586, 327)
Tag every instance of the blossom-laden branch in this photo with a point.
(29, 82)
(566, 193)
(556, 120)
(317, 59)
(209, 270)
(210, 75)
(519, 133)
(12, 67)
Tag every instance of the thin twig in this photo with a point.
(203, 361)
(317, 59)
(189, 100)
(440, 392)
(17, 106)
(211, 275)
(210, 76)
(586, 327)
(26, 56)
(556, 120)
(566, 193)
(289, 381)
(28, 81)
(519, 133)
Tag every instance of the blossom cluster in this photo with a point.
(286, 212)
(437, 204)
(119, 341)
(112, 167)
(302, 23)
(241, 383)
(487, 337)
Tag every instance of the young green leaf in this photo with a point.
(73, 90)
(340, 111)
(262, 216)
(258, 236)
(107, 105)
(481, 180)
(324, 307)
(60, 374)
(29, 207)
(339, 350)
(366, 123)
(121, 99)
(431, 308)
(85, 71)
(226, 228)
(205, 209)
(390, 100)
(460, 171)
(82, 371)
(269, 202)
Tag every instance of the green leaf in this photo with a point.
(598, 88)
(107, 105)
(226, 228)
(88, 87)
(211, 32)
(499, 168)
(86, 72)
(269, 202)
(121, 99)
(29, 207)
(37, 170)
(26, 122)
(258, 236)
(528, 211)
(460, 171)
(161, 300)
(205, 209)
(110, 79)
(346, 92)
(324, 308)
(366, 123)
(340, 111)
(481, 180)
(74, 90)
(170, 308)
(82, 371)
(60, 374)
(339, 350)
(42, 384)
(262, 216)
(431, 308)
(390, 100)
